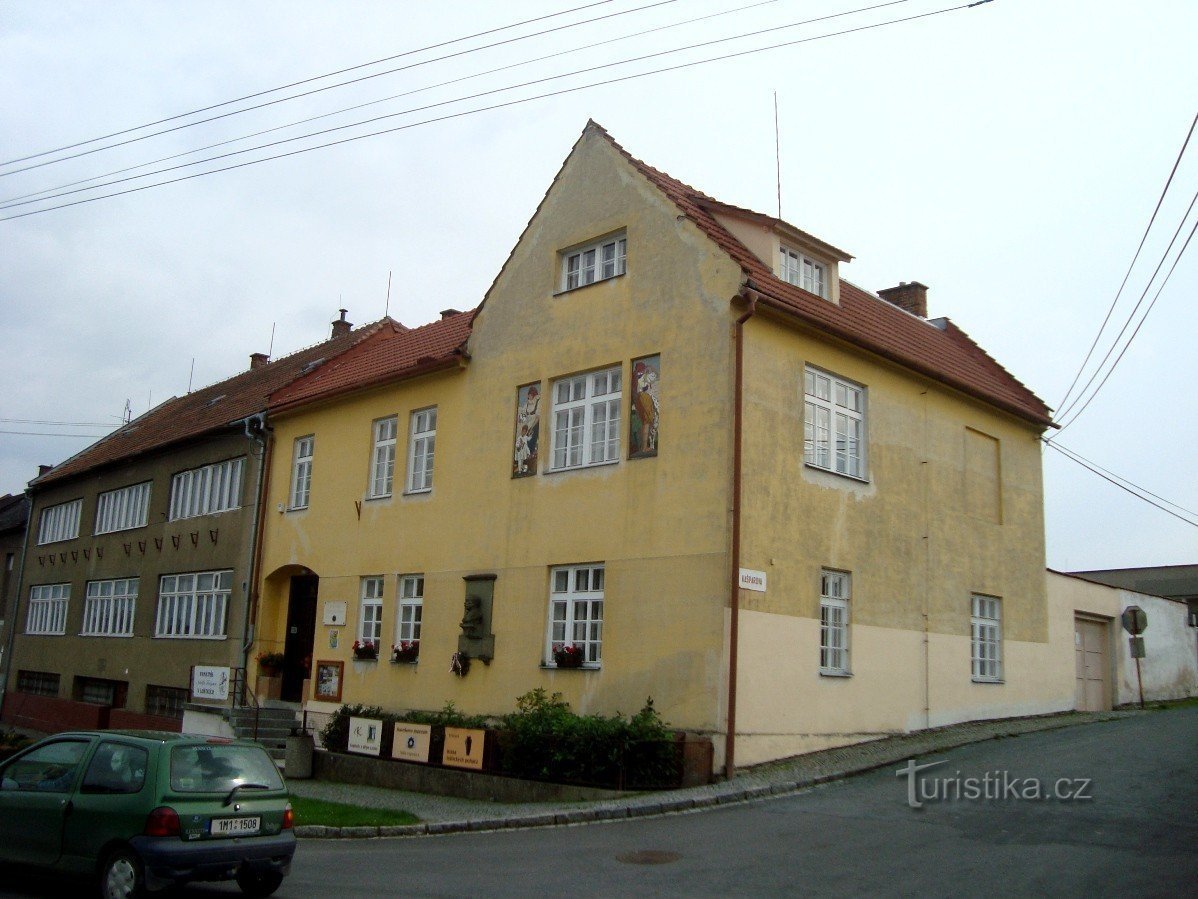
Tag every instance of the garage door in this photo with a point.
(1090, 641)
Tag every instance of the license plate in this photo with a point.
(232, 827)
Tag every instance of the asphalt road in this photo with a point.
(1132, 831)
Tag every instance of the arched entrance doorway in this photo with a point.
(299, 636)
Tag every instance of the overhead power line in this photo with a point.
(1123, 484)
(509, 103)
(309, 80)
(65, 424)
(13, 201)
(1081, 369)
(54, 434)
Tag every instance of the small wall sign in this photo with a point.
(334, 613)
(411, 742)
(752, 580)
(210, 682)
(365, 736)
(464, 748)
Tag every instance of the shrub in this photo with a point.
(335, 734)
(447, 717)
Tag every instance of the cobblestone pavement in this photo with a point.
(444, 814)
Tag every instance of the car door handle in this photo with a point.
(67, 806)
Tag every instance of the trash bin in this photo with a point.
(298, 764)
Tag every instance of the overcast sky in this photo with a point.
(1009, 156)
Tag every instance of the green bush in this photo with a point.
(447, 717)
(335, 734)
(545, 740)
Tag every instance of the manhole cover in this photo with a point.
(649, 857)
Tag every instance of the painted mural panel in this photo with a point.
(528, 430)
(646, 407)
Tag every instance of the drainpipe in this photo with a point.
(262, 434)
(11, 620)
(734, 580)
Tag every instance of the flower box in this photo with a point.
(568, 656)
(366, 652)
(405, 655)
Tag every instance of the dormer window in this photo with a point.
(803, 271)
(594, 262)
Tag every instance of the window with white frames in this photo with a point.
(382, 457)
(834, 622)
(599, 261)
(60, 522)
(370, 615)
(834, 424)
(803, 271)
(207, 490)
(301, 472)
(194, 605)
(48, 609)
(109, 608)
(586, 419)
(986, 638)
(576, 611)
(123, 509)
(422, 442)
(411, 609)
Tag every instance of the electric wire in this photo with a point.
(502, 105)
(1156, 297)
(1064, 410)
(65, 424)
(309, 80)
(1124, 484)
(54, 434)
(10, 201)
(328, 87)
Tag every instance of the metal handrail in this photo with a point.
(241, 692)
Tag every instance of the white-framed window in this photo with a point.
(599, 261)
(301, 472)
(193, 605)
(109, 607)
(834, 424)
(986, 638)
(370, 612)
(60, 522)
(207, 490)
(123, 509)
(803, 271)
(382, 456)
(576, 611)
(411, 609)
(48, 609)
(834, 622)
(586, 419)
(421, 444)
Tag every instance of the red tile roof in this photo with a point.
(390, 353)
(210, 409)
(945, 354)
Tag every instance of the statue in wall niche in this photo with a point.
(472, 622)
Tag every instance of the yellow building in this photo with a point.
(672, 447)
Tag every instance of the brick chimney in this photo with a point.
(257, 360)
(909, 295)
(42, 469)
(449, 313)
(341, 326)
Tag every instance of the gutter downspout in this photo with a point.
(734, 578)
(16, 605)
(265, 439)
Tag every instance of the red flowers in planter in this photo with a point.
(567, 655)
(365, 650)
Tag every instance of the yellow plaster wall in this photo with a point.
(660, 525)
(908, 536)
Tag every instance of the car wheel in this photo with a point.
(258, 883)
(122, 877)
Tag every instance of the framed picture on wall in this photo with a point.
(328, 681)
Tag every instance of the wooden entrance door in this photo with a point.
(1091, 650)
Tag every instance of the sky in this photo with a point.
(1008, 155)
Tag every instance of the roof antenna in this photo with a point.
(192, 375)
(778, 155)
(270, 349)
(127, 414)
(387, 307)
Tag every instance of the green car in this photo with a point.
(144, 810)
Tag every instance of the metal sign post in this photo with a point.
(1135, 620)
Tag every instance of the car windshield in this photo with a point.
(219, 768)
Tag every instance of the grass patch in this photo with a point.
(338, 814)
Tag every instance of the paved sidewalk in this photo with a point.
(444, 814)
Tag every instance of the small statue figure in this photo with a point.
(472, 623)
